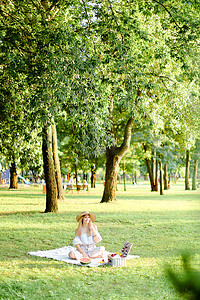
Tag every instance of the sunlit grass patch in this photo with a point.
(160, 228)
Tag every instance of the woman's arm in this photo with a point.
(81, 250)
(96, 236)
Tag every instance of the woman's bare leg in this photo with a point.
(71, 255)
(101, 253)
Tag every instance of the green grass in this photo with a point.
(160, 228)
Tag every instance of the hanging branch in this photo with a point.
(168, 12)
(160, 76)
(86, 12)
(14, 19)
(111, 8)
(54, 4)
(89, 24)
(36, 4)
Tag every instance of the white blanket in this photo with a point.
(62, 254)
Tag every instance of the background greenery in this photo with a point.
(160, 228)
(72, 63)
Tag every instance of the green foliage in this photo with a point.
(130, 162)
(18, 131)
(188, 284)
(72, 59)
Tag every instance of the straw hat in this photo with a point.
(84, 213)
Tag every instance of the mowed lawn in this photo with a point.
(160, 228)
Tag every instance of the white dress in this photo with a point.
(88, 245)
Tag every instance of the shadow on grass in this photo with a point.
(43, 262)
(25, 195)
(158, 197)
(59, 265)
(14, 213)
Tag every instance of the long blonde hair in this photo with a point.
(80, 225)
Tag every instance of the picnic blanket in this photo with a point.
(62, 254)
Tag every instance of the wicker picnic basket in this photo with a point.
(119, 260)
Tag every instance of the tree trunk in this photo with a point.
(114, 155)
(152, 176)
(156, 177)
(175, 177)
(60, 195)
(13, 176)
(135, 175)
(169, 180)
(187, 167)
(49, 171)
(161, 179)
(152, 169)
(165, 177)
(112, 165)
(93, 177)
(124, 179)
(76, 173)
(194, 177)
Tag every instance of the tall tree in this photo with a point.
(161, 178)
(187, 168)
(194, 175)
(57, 163)
(152, 168)
(30, 33)
(195, 158)
(114, 155)
(149, 87)
(49, 170)
(166, 176)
